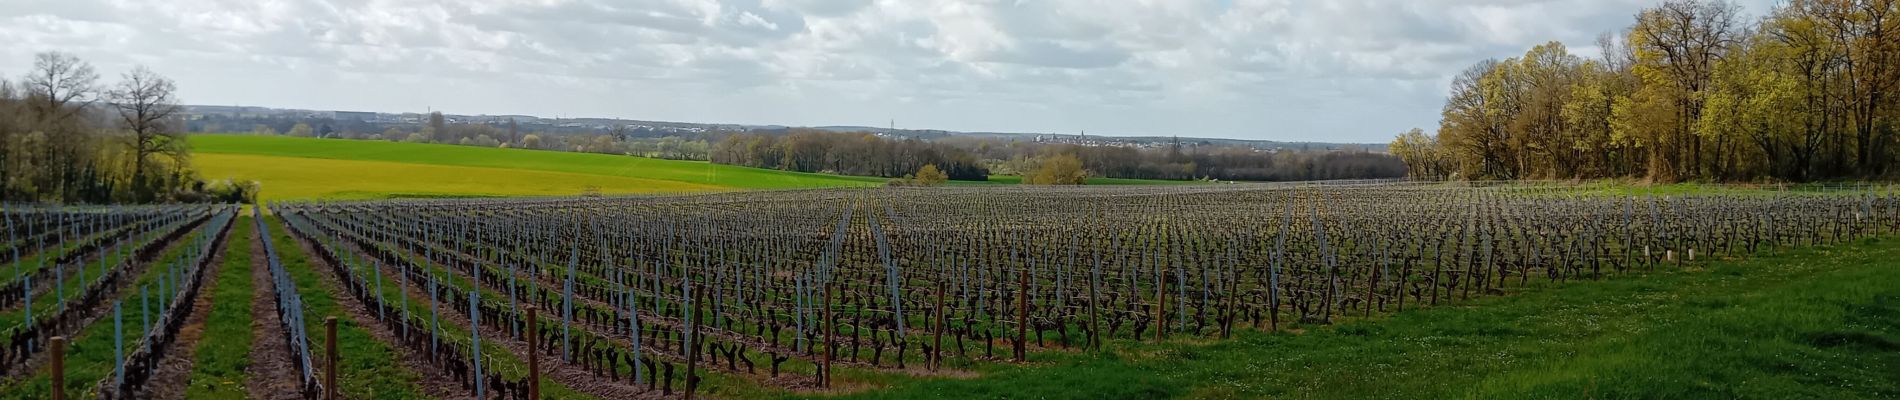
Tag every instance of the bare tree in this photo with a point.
(147, 107)
(59, 80)
(58, 91)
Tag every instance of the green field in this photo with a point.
(303, 168)
(308, 178)
(291, 168)
(1810, 323)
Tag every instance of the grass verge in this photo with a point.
(1810, 323)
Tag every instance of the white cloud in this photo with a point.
(1340, 70)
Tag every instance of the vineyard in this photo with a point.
(754, 294)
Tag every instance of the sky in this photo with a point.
(1288, 70)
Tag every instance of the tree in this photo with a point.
(1475, 126)
(60, 86)
(263, 130)
(1677, 45)
(1688, 92)
(1424, 158)
(531, 141)
(1060, 169)
(929, 175)
(483, 141)
(59, 90)
(301, 130)
(514, 131)
(438, 128)
(147, 107)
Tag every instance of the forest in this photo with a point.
(66, 138)
(1693, 90)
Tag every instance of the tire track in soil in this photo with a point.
(272, 374)
(567, 374)
(174, 371)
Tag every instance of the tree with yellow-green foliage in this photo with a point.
(1691, 91)
(929, 175)
(1060, 169)
(301, 130)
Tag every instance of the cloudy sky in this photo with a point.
(1326, 70)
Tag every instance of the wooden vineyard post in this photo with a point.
(936, 350)
(1022, 314)
(824, 371)
(329, 365)
(534, 354)
(59, 368)
(692, 353)
(1161, 304)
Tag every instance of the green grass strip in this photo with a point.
(224, 350)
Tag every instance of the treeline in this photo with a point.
(864, 154)
(66, 139)
(1691, 91)
(976, 158)
(620, 141)
(1178, 162)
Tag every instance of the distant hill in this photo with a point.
(377, 121)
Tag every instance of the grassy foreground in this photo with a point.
(1811, 323)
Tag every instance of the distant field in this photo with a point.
(302, 168)
(315, 178)
(296, 168)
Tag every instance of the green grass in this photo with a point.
(224, 349)
(367, 368)
(696, 173)
(1812, 323)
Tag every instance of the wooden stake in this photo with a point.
(329, 366)
(59, 368)
(824, 371)
(1022, 314)
(692, 333)
(936, 350)
(534, 354)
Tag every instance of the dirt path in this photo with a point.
(273, 375)
(174, 370)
